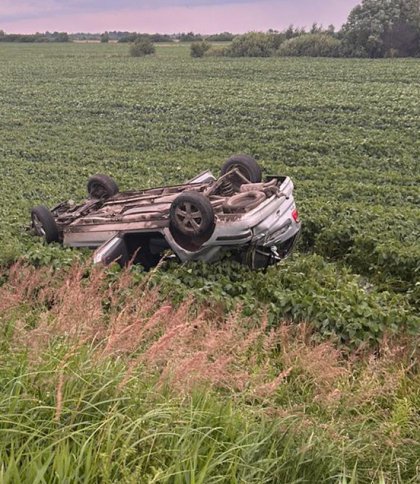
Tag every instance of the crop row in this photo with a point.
(345, 130)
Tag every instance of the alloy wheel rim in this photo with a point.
(189, 217)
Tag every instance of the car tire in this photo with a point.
(101, 187)
(247, 165)
(257, 258)
(192, 214)
(44, 224)
(244, 202)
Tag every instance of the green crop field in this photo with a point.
(348, 133)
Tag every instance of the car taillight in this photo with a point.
(295, 215)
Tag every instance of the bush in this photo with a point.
(142, 47)
(105, 38)
(311, 45)
(252, 44)
(216, 51)
(198, 49)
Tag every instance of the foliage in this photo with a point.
(93, 393)
(142, 46)
(105, 38)
(35, 38)
(216, 51)
(60, 37)
(352, 153)
(346, 131)
(337, 303)
(252, 44)
(198, 49)
(291, 42)
(106, 434)
(158, 38)
(189, 37)
(379, 28)
(129, 37)
(222, 37)
(311, 45)
(126, 37)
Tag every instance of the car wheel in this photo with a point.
(191, 220)
(44, 224)
(246, 165)
(244, 202)
(101, 187)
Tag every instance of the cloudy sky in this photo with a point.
(168, 16)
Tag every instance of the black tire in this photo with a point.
(101, 187)
(257, 258)
(247, 165)
(244, 202)
(191, 219)
(44, 224)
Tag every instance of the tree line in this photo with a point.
(114, 36)
(375, 29)
(38, 37)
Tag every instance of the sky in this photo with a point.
(168, 16)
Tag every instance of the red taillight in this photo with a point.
(295, 215)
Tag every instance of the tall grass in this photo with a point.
(143, 436)
(103, 380)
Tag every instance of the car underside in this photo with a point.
(253, 220)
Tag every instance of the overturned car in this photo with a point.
(254, 220)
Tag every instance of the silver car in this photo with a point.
(255, 221)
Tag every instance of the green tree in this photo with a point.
(105, 38)
(377, 28)
(190, 37)
(60, 37)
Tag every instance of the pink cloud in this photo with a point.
(238, 18)
(24, 8)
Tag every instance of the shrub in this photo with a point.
(105, 38)
(198, 49)
(216, 51)
(311, 45)
(252, 44)
(142, 47)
